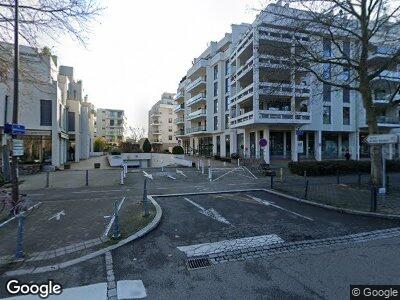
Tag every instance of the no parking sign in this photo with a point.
(263, 143)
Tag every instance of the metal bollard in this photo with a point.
(198, 165)
(116, 233)
(209, 163)
(238, 162)
(19, 253)
(281, 174)
(224, 163)
(146, 210)
(47, 179)
(210, 174)
(306, 190)
(122, 178)
(374, 195)
(123, 171)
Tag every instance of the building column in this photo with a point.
(233, 142)
(354, 145)
(266, 150)
(284, 144)
(214, 141)
(340, 145)
(223, 145)
(318, 145)
(307, 142)
(257, 137)
(294, 145)
(246, 143)
(390, 151)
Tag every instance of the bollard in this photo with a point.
(116, 233)
(87, 177)
(238, 162)
(122, 177)
(374, 193)
(202, 169)
(359, 178)
(198, 165)
(210, 174)
(272, 182)
(126, 169)
(146, 210)
(209, 163)
(47, 179)
(337, 177)
(224, 163)
(19, 253)
(123, 171)
(306, 190)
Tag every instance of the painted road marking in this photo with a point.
(113, 218)
(131, 289)
(9, 220)
(180, 172)
(212, 213)
(169, 176)
(230, 245)
(148, 175)
(57, 216)
(269, 203)
(103, 191)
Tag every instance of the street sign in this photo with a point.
(299, 133)
(379, 139)
(300, 146)
(18, 148)
(263, 143)
(14, 129)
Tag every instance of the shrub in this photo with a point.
(128, 147)
(177, 150)
(1, 179)
(235, 156)
(115, 151)
(217, 157)
(146, 146)
(331, 167)
(100, 144)
(166, 151)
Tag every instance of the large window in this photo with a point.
(327, 92)
(327, 45)
(45, 113)
(216, 89)
(346, 115)
(226, 85)
(327, 71)
(215, 123)
(327, 114)
(346, 48)
(227, 121)
(111, 122)
(71, 121)
(215, 72)
(215, 106)
(346, 95)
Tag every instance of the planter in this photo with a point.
(27, 169)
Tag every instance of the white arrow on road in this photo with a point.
(211, 212)
(180, 172)
(269, 203)
(148, 175)
(58, 215)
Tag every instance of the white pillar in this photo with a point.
(214, 141)
(246, 143)
(267, 158)
(318, 145)
(340, 145)
(257, 137)
(307, 142)
(223, 145)
(353, 145)
(294, 145)
(233, 142)
(284, 144)
(390, 151)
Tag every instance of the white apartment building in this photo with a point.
(111, 125)
(44, 104)
(163, 124)
(243, 88)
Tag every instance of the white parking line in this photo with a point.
(113, 218)
(212, 213)
(102, 191)
(269, 203)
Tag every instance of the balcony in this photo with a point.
(201, 81)
(196, 129)
(180, 107)
(156, 132)
(243, 94)
(386, 99)
(157, 141)
(284, 89)
(284, 117)
(179, 121)
(243, 119)
(199, 98)
(381, 52)
(201, 63)
(248, 66)
(179, 96)
(280, 35)
(271, 61)
(198, 114)
(180, 132)
(392, 122)
(155, 114)
(389, 76)
(155, 123)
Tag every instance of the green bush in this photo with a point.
(177, 150)
(1, 179)
(146, 146)
(331, 167)
(235, 156)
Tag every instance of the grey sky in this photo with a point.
(140, 49)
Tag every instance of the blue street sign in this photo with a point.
(300, 133)
(14, 129)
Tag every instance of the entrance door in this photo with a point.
(276, 143)
(252, 144)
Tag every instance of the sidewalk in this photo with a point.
(88, 164)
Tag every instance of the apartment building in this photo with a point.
(44, 108)
(111, 125)
(163, 124)
(244, 88)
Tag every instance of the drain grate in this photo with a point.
(198, 263)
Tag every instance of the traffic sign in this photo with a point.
(300, 133)
(263, 143)
(18, 148)
(379, 139)
(14, 129)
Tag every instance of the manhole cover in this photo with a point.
(198, 263)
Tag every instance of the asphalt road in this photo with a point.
(321, 273)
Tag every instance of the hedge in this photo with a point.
(177, 150)
(331, 167)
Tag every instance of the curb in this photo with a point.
(151, 226)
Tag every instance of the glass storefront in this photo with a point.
(37, 149)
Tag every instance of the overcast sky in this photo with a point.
(139, 49)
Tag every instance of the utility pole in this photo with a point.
(14, 178)
(4, 142)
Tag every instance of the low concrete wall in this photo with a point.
(96, 154)
(145, 160)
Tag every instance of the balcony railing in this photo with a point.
(179, 120)
(196, 129)
(196, 99)
(196, 83)
(179, 107)
(180, 132)
(282, 35)
(179, 95)
(388, 120)
(238, 120)
(201, 63)
(287, 117)
(247, 91)
(388, 75)
(275, 61)
(284, 89)
(201, 113)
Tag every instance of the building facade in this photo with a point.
(111, 125)
(244, 88)
(163, 124)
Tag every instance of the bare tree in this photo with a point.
(351, 46)
(136, 133)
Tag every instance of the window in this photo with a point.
(215, 72)
(327, 92)
(216, 89)
(71, 121)
(226, 103)
(215, 106)
(119, 122)
(346, 115)
(227, 68)
(215, 123)
(327, 47)
(170, 129)
(327, 71)
(346, 74)
(45, 113)
(346, 48)
(170, 137)
(170, 120)
(346, 95)
(227, 121)
(327, 115)
(226, 85)
(111, 122)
